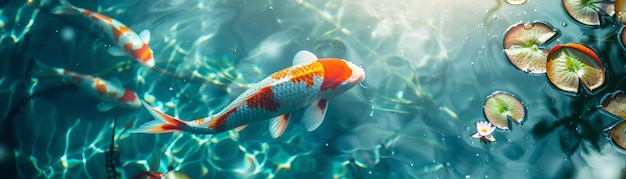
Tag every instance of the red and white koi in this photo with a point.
(308, 84)
(109, 93)
(127, 41)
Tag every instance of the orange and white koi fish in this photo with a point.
(128, 42)
(109, 93)
(308, 84)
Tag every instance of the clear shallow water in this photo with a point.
(430, 67)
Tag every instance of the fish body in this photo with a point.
(127, 41)
(110, 93)
(308, 84)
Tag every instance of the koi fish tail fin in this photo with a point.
(65, 8)
(46, 71)
(163, 123)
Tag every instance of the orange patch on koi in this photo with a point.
(281, 74)
(101, 88)
(100, 17)
(307, 73)
(119, 32)
(128, 96)
(219, 123)
(144, 54)
(264, 98)
(336, 72)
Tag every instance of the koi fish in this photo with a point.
(111, 94)
(127, 41)
(308, 84)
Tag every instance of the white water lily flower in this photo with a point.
(484, 131)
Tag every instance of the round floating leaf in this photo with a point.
(618, 134)
(521, 46)
(570, 63)
(620, 11)
(586, 11)
(500, 106)
(615, 104)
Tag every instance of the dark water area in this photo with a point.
(430, 69)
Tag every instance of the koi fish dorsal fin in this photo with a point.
(304, 56)
(145, 36)
(65, 8)
(314, 114)
(278, 125)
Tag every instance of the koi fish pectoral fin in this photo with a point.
(304, 57)
(314, 114)
(102, 107)
(163, 123)
(278, 125)
(116, 51)
(145, 36)
(241, 127)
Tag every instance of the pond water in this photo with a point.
(430, 68)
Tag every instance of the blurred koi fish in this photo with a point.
(127, 41)
(111, 94)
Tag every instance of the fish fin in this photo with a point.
(116, 51)
(314, 114)
(241, 127)
(155, 159)
(65, 8)
(145, 36)
(102, 107)
(46, 71)
(163, 123)
(279, 124)
(304, 56)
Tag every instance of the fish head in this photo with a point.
(339, 76)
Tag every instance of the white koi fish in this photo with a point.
(109, 93)
(127, 41)
(308, 84)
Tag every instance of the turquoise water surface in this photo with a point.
(430, 66)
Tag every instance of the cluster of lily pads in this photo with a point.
(565, 65)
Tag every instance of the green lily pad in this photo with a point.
(586, 11)
(618, 134)
(620, 11)
(502, 105)
(615, 104)
(521, 46)
(570, 63)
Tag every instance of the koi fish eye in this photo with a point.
(344, 85)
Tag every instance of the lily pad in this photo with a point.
(618, 134)
(502, 105)
(615, 104)
(620, 11)
(587, 11)
(570, 63)
(522, 46)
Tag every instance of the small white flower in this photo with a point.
(484, 131)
